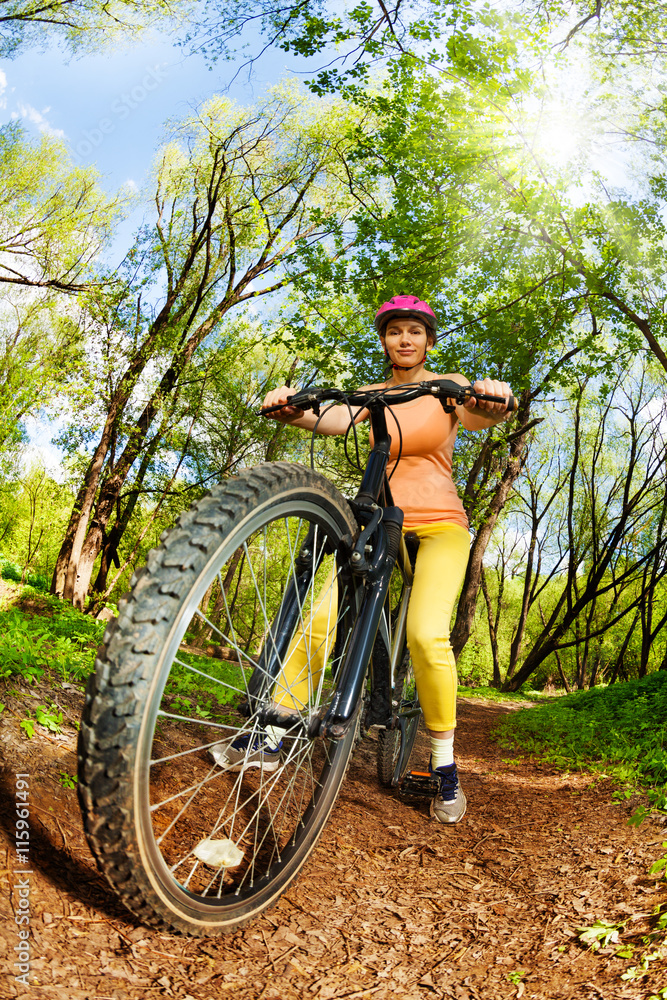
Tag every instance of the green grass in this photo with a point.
(58, 637)
(493, 694)
(182, 682)
(620, 730)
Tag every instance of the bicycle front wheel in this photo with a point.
(197, 818)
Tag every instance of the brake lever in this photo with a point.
(465, 392)
(305, 400)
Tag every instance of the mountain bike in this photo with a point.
(200, 656)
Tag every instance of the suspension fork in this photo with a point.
(341, 713)
(384, 526)
(405, 566)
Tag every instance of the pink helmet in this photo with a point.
(405, 305)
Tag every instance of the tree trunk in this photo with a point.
(517, 639)
(562, 673)
(594, 669)
(493, 635)
(622, 651)
(80, 513)
(112, 538)
(465, 613)
(66, 582)
(83, 558)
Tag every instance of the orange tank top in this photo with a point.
(422, 484)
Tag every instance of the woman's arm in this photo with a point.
(334, 419)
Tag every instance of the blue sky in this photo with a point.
(110, 107)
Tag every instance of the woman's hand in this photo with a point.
(489, 387)
(281, 396)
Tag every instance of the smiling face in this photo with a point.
(406, 341)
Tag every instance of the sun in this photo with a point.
(560, 137)
(559, 134)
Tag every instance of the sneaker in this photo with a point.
(239, 755)
(449, 805)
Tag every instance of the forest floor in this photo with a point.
(390, 904)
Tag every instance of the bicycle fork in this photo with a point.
(341, 713)
(381, 537)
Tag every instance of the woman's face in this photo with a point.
(406, 341)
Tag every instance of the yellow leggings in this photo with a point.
(441, 563)
(310, 648)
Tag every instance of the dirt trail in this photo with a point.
(391, 904)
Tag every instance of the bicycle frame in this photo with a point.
(381, 523)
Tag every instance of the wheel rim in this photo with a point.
(184, 798)
(405, 739)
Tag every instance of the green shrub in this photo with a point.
(621, 729)
(10, 572)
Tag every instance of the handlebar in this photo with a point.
(441, 388)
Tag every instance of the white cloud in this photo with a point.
(3, 88)
(38, 119)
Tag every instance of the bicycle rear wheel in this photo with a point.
(395, 745)
(199, 650)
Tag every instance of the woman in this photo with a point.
(422, 486)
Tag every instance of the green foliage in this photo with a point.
(37, 508)
(62, 639)
(83, 25)
(55, 216)
(599, 934)
(638, 971)
(10, 571)
(28, 726)
(55, 222)
(48, 717)
(621, 730)
(660, 866)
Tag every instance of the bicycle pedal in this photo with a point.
(418, 785)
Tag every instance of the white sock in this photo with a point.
(442, 752)
(274, 735)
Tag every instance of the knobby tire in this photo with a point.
(192, 640)
(395, 743)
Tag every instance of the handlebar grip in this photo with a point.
(300, 401)
(511, 402)
(269, 409)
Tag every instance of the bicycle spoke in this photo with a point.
(259, 812)
(205, 815)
